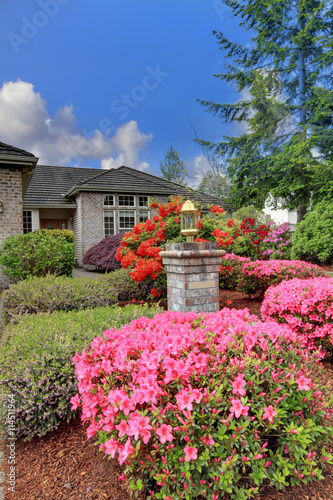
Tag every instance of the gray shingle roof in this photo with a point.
(50, 184)
(6, 149)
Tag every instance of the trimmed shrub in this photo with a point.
(38, 253)
(259, 275)
(103, 255)
(307, 307)
(250, 211)
(66, 294)
(231, 270)
(126, 288)
(205, 405)
(36, 362)
(313, 239)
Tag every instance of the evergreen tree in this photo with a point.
(288, 70)
(173, 168)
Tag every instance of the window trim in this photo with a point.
(114, 223)
(144, 196)
(127, 206)
(107, 204)
(125, 229)
(144, 211)
(31, 217)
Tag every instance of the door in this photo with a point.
(54, 224)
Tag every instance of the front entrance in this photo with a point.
(54, 224)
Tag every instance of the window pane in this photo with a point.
(126, 220)
(126, 200)
(143, 215)
(108, 222)
(27, 221)
(143, 201)
(109, 200)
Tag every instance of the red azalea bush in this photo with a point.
(140, 249)
(259, 275)
(205, 405)
(306, 306)
(231, 270)
(103, 255)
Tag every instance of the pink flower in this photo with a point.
(238, 409)
(208, 440)
(184, 400)
(269, 413)
(123, 428)
(190, 453)
(303, 383)
(238, 385)
(75, 401)
(111, 447)
(165, 433)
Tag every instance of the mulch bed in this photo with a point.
(64, 465)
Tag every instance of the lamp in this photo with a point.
(189, 221)
(1, 206)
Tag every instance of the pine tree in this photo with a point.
(288, 70)
(173, 168)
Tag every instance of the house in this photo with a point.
(93, 203)
(279, 215)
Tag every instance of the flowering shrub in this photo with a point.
(277, 243)
(103, 255)
(208, 405)
(259, 275)
(307, 307)
(231, 270)
(140, 249)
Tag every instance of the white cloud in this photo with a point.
(25, 123)
(129, 141)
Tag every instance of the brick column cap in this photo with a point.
(194, 254)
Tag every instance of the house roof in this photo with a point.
(9, 155)
(53, 185)
(6, 149)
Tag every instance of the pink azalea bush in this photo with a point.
(306, 306)
(277, 245)
(231, 270)
(259, 275)
(205, 405)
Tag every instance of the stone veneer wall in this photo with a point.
(11, 220)
(192, 276)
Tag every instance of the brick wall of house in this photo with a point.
(11, 220)
(92, 220)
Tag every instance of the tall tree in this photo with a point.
(173, 168)
(288, 70)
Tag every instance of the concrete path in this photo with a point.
(83, 273)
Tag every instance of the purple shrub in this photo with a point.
(103, 255)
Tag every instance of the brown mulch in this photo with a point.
(66, 466)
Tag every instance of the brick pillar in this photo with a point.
(192, 276)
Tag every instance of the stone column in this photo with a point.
(192, 276)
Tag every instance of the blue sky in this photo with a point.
(105, 83)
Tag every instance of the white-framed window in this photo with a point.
(109, 226)
(126, 200)
(27, 221)
(126, 220)
(109, 200)
(143, 201)
(144, 215)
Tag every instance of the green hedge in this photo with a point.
(38, 253)
(52, 293)
(36, 362)
(313, 239)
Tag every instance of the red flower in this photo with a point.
(215, 209)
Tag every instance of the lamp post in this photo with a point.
(189, 221)
(192, 268)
